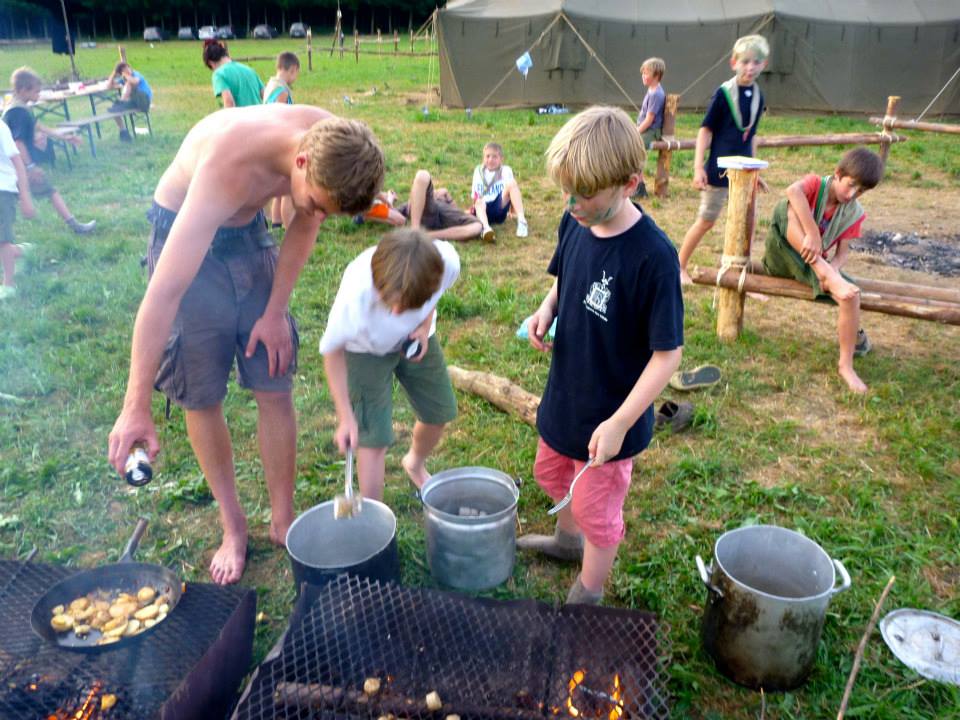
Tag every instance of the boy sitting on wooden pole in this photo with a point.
(818, 215)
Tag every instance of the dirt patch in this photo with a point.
(943, 580)
(940, 256)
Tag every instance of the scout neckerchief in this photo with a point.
(731, 91)
(843, 217)
(483, 178)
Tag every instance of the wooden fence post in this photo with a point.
(379, 42)
(396, 42)
(893, 101)
(310, 49)
(411, 39)
(123, 53)
(662, 181)
(736, 249)
(356, 46)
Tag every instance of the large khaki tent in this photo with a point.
(827, 55)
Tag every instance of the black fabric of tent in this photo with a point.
(826, 55)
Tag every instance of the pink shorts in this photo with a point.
(598, 498)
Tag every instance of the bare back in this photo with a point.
(246, 153)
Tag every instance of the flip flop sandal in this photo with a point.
(676, 416)
(699, 377)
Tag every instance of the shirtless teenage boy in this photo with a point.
(219, 289)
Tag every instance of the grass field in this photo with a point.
(875, 480)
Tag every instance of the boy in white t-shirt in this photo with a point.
(382, 324)
(495, 192)
(13, 175)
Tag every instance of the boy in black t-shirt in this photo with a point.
(32, 141)
(728, 128)
(619, 337)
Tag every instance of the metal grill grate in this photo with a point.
(37, 679)
(484, 658)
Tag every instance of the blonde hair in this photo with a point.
(344, 158)
(655, 65)
(496, 147)
(407, 268)
(757, 44)
(24, 78)
(597, 149)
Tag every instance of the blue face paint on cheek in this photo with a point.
(571, 201)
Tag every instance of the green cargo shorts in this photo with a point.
(426, 383)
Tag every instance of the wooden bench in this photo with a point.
(88, 123)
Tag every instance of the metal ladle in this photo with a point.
(348, 504)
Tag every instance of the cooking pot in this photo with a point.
(321, 546)
(767, 594)
(470, 515)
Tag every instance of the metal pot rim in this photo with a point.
(470, 472)
(379, 507)
(806, 598)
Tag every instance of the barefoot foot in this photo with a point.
(853, 380)
(278, 532)
(758, 296)
(229, 561)
(416, 470)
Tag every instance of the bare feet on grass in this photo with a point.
(230, 559)
(853, 380)
(416, 469)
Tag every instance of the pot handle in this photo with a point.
(134, 541)
(844, 575)
(705, 573)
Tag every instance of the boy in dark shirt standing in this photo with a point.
(729, 128)
(619, 311)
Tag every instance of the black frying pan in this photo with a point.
(123, 576)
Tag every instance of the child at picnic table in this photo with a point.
(729, 127)
(236, 84)
(14, 186)
(135, 94)
(619, 310)
(387, 298)
(32, 140)
(818, 215)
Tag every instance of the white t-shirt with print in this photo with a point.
(8, 150)
(482, 177)
(361, 323)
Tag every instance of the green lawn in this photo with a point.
(874, 480)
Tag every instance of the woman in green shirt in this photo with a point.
(234, 83)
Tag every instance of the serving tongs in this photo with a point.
(348, 504)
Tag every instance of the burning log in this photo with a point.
(499, 391)
(305, 696)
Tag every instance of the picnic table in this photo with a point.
(57, 102)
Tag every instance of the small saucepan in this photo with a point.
(123, 576)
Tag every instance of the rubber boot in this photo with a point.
(579, 595)
(559, 546)
(81, 228)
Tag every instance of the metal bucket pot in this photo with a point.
(470, 552)
(321, 546)
(767, 594)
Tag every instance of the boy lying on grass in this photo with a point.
(818, 215)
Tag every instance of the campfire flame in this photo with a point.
(612, 699)
(87, 709)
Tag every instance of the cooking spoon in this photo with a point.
(569, 496)
(347, 505)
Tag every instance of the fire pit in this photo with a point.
(189, 668)
(356, 648)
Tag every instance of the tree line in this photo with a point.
(38, 19)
